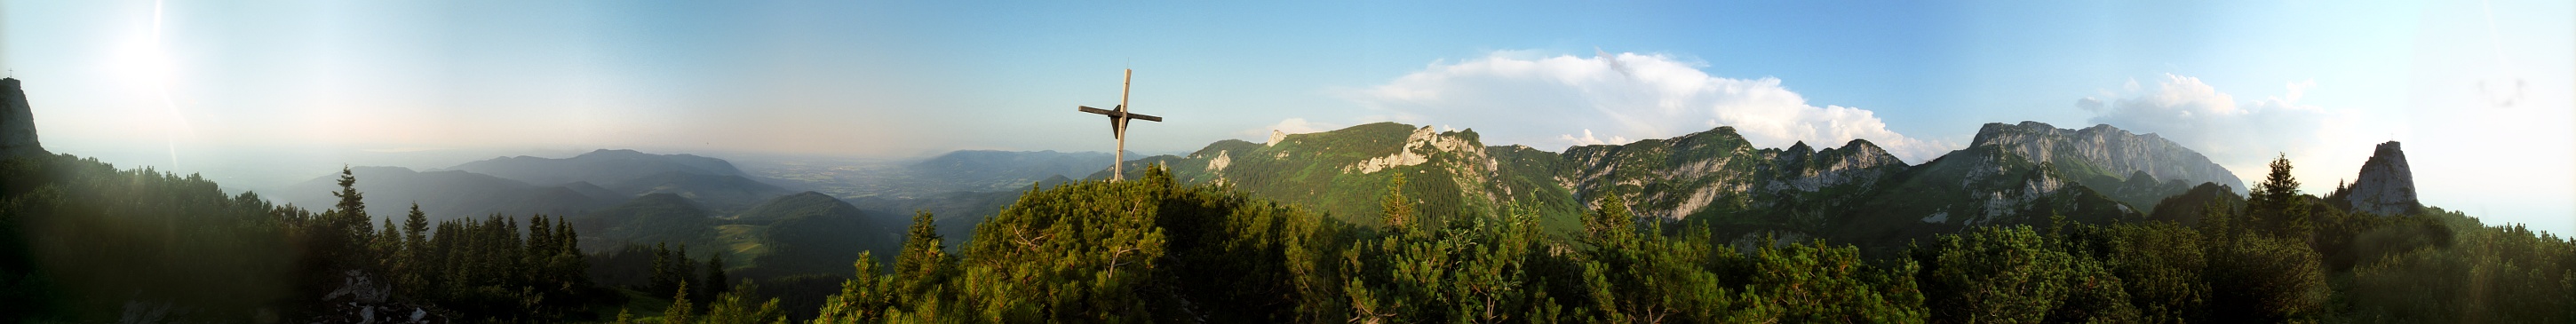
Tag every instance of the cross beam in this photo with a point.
(1118, 125)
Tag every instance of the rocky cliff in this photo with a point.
(2386, 185)
(1851, 193)
(1717, 172)
(2106, 150)
(17, 122)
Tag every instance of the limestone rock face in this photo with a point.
(17, 122)
(1718, 172)
(2111, 149)
(2386, 185)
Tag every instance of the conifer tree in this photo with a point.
(574, 268)
(540, 239)
(863, 299)
(347, 221)
(1399, 215)
(2277, 205)
(389, 240)
(1612, 224)
(352, 205)
(683, 268)
(715, 273)
(735, 307)
(923, 256)
(678, 313)
(415, 228)
(662, 278)
(384, 246)
(570, 239)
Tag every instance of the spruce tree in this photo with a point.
(346, 224)
(2277, 205)
(541, 245)
(661, 280)
(352, 204)
(682, 268)
(715, 273)
(678, 313)
(1398, 209)
(573, 269)
(863, 298)
(923, 255)
(415, 228)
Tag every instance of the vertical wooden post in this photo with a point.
(1118, 169)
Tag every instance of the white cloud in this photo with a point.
(1299, 126)
(1529, 99)
(1589, 139)
(1290, 126)
(2243, 136)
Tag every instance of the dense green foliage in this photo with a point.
(82, 241)
(1150, 251)
(91, 243)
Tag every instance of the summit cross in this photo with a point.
(1118, 125)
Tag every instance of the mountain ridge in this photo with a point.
(443, 195)
(1857, 192)
(2110, 148)
(597, 166)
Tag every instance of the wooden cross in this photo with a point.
(1118, 125)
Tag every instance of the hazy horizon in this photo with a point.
(2482, 94)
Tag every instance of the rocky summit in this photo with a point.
(17, 122)
(2386, 185)
(1855, 192)
(2110, 150)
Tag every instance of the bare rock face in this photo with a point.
(17, 122)
(2386, 185)
(2111, 149)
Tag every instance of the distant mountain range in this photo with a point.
(2012, 174)
(953, 172)
(1003, 170)
(524, 185)
(1855, 192)
(621, 197)
(443, 195)
(601, 166)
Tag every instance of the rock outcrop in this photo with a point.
(1718, 172)
(2115, 152)
(2386, 185)
(17, 122)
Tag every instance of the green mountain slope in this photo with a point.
(445, 195)
(722, 193)
(813, 233)
(2107, 152)
(648, 219)
(1977, 186)
(1344, 172)
(1856, 192)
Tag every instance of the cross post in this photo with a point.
(1118, 125)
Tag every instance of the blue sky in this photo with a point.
(2467, 85)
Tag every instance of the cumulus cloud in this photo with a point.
(2240, 135)
(1289, 126)
(1589, 139)
(1539, 100)
(1298, 126)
